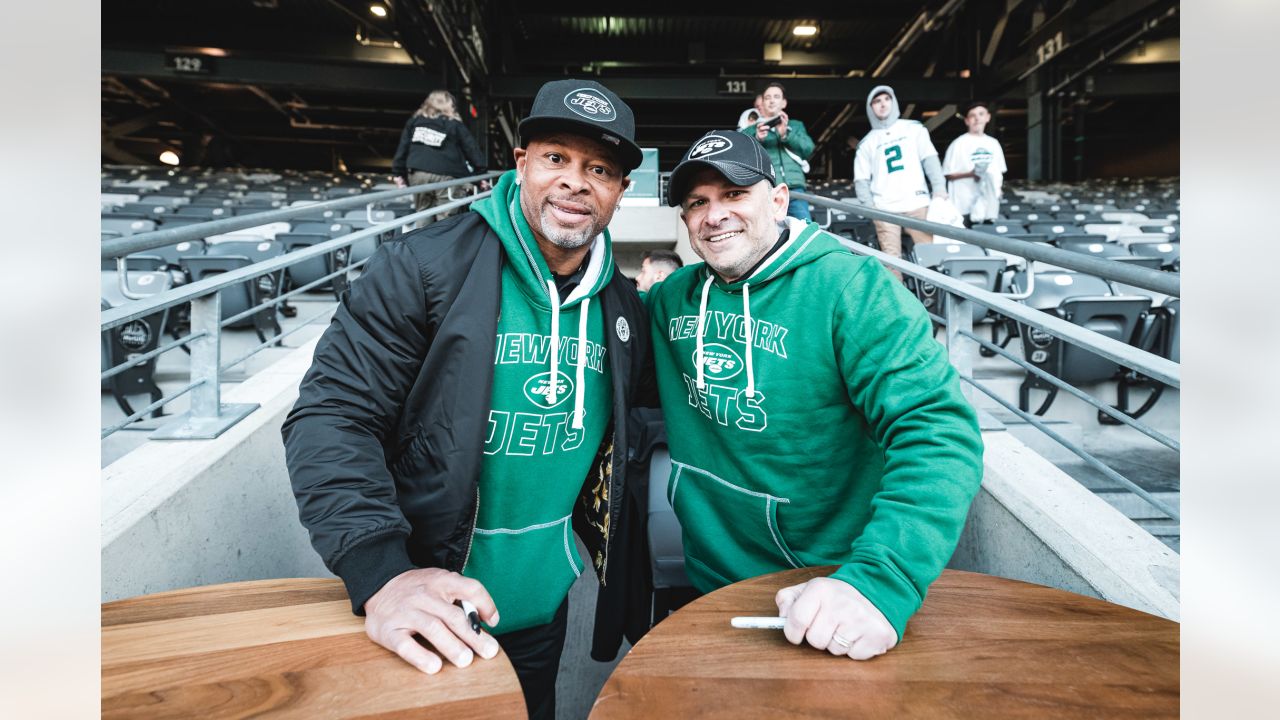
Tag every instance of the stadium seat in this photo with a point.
(1091, 245)
(237, 298)
(128, 226)
(205, 212)
(1169, 230)
(133, 338)
(326, 228)
(311, 270)
(1168, 252)
(1086, 301)
(1128, 218)
(1077, 217)
(1054, 229)
(1001, 228)
(968, 263)
(861, 231)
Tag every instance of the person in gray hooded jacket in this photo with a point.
(890, 168)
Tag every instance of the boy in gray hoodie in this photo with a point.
(890, 168)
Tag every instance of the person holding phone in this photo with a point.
(786, 142)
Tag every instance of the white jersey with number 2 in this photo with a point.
(890, 158)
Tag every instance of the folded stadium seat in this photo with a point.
(379, 216)
(168, 222)
(236, 298)
(311, 270)
(1096, 207)
(341, 192)
(1169, 229)
(1091, 245)
(363, 249)
(1128, 218)
(168, 201)
(267, 231)
(1170, 253)
(968, 263)
(134, 338)
(113, 200)
(212, 201)
(1132, 237)
(127, 225)
(1086, 301)
(1054, 230)
(137, 261)
(1110, 231)
(1153, 263)
(1001, 227)
(1165, 215)
(206, 212)
(150, 211)
(328, 228)
(1077, 217)
(173, 254)
(270, 285)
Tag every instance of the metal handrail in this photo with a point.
(185, 293)
(1145, 278)
(1153, 366)
(208, 416)
(159, 238)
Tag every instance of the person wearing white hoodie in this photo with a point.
(890, 167)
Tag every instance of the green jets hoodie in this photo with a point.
(824, 425)
(549, 370)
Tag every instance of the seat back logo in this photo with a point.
(538, 389)
(719, 362)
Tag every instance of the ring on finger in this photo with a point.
(835, 638)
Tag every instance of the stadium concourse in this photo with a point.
(254, 166)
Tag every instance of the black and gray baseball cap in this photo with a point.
(587, 108)
(738, 157)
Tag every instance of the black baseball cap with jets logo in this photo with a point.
(587, 108)
(739, 158)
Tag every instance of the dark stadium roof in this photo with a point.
(324, 83)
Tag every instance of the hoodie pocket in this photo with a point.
(729, 531)
(527, 571)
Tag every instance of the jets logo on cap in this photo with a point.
(590, 104)
(710, 145)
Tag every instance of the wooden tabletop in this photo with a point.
(279, 648)
(981, 646)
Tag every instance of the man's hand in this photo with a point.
(782, 126)
(400, 183)
(832, 615)
(761, 131)
(421, 602)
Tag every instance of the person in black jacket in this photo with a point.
(434, 147)
(467, 412)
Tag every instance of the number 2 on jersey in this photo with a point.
(893, 158)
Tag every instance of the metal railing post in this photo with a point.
(208, 417)
(959, 314)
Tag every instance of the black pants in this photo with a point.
(535, 654)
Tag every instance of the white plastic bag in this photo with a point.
(944, 212)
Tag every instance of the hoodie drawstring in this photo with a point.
(746, 324)
(553, 387)
(746, 330)
(578, 399)
(702, 325)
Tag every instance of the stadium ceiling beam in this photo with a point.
(1060, 35)
(704, 89)
(314, 74)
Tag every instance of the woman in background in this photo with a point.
(435, 146)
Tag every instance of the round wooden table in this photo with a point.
(980, 647)
(279, 648)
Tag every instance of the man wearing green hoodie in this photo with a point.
(458, 425)
(812, 418)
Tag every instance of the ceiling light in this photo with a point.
(169, 157)
(805, 30)
(378, 9)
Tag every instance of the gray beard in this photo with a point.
(565, 238)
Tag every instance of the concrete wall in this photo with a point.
(198, 512)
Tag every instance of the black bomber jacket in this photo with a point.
(385, 443)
